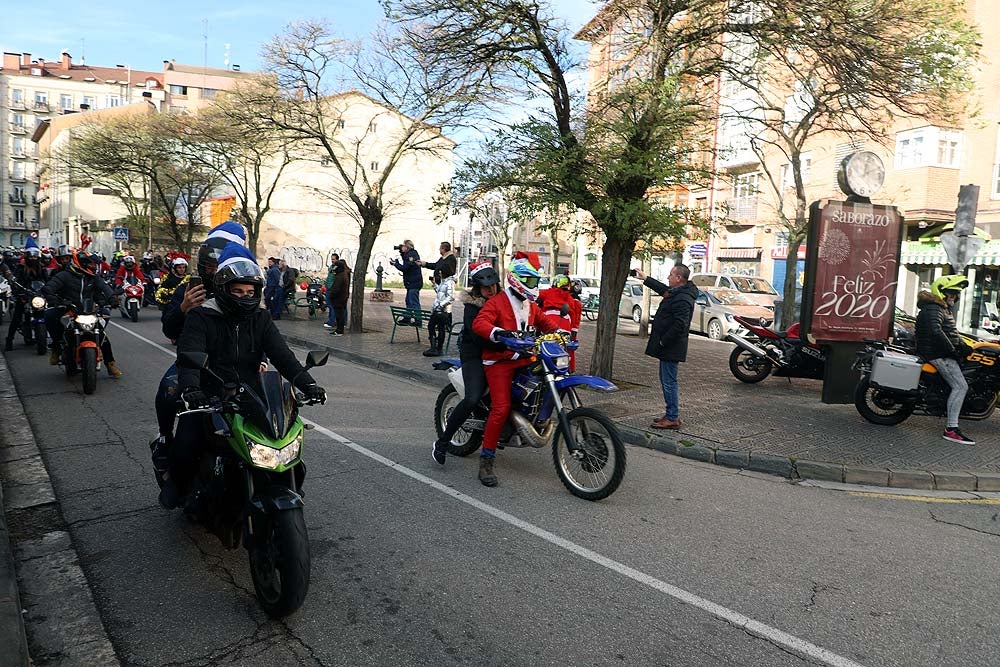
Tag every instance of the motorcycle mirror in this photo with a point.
(195, 360)
(316, 358)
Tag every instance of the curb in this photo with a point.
(51, 598)
(781, 466)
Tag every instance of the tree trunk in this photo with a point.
(790, 309)
(615, 257)
(366, 243)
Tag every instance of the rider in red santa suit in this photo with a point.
(510, 311)
(552, 300)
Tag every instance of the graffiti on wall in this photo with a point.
(311, 260)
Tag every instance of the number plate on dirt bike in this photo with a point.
(896, 371)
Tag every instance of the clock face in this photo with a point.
(864, 174)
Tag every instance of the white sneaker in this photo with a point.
(327, 326)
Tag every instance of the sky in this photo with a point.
(142, 35)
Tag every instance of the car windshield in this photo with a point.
(730, 297)
(755, 285)
(590, 282)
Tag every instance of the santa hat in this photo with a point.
(230, 231)
(30, 243)
(479, 266)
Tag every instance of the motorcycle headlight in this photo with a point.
(562, 363)
(86, 322)
(37, 302)
(271, 458)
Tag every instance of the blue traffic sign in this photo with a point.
(121, 233)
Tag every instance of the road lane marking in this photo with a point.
(925, 499)
(734, 618)
(172, 353)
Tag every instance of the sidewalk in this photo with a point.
(778, 426)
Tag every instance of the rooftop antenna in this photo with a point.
(225, 61)
(83, 50)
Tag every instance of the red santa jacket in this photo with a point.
(123, 273)
(499, 314)
(551, 301)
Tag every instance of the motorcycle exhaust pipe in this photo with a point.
(754, 349)
(528, 433)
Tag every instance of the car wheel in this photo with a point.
(637, 314)
(715, 329)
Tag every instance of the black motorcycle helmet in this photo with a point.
(242, 270)
(484, 276)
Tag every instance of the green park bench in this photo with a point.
(408, 317)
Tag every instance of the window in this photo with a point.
(788, 179)
(19, 215)
(374, 165)
(111, 101)
(928, 147)
(373, 127)
(41, 97)
(178, 90)
(17, 148)
(19, 193)
(90, 101)
(341, 124)
(209, 93)
(745, 186)
(17, 96)
(17, 121)
(65, 102)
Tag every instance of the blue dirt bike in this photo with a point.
(587, 449)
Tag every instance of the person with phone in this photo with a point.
(178, 275)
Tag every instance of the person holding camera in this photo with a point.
(409, 264)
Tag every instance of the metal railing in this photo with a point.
(17, 128)
(743, 209)
(41, 106)
(16, 199)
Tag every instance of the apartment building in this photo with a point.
(33, 90)
(925, 165)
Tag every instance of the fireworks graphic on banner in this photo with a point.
(834, 247)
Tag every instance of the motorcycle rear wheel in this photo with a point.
(600, 466)
(279, 562)
(88, 368)
(465, 441)
(879, 406)
(748, 367)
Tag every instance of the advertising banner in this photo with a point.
(852, 267)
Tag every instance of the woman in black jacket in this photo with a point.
(339, 293)
(484, 280)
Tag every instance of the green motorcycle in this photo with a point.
(248, 487)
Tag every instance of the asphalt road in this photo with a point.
(416, 564)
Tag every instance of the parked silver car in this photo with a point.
(714, 309)
(631, 303)
(757, 289)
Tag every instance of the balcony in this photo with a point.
(743, 210)
(18, 153)
(18, 128)
(32, 224)
(15, 224)
(18, 105)
(41, 106)
(18, 178)
(18, 200)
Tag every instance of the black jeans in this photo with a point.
(186, 448)
(438, 327)
(475, 386)
(166, 402)
(340, 314)
(15, 319)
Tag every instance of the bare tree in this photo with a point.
(319, 82)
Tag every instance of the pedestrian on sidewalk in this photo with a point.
(939, 344)
(413, 279)
(444, 293)
(331, 274)
(668, 340)
(339, 294)
(273, 288)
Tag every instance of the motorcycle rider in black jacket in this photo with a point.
(24, 275)
(76, 286)
(237, 334)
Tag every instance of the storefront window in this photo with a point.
(984, 291)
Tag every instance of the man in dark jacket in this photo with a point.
(939, 344)
(24, 275)
(413, 279)
(668, 340)
(272, 287)
(237, 334)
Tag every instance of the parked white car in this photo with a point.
(631, 303)
(590, 286)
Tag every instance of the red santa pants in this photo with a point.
(499, 377)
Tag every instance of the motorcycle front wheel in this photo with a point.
(279, 562)
(748, 367)
(595, 470)
(88, 368)
(880, 406)
(41, 346)
(133, 311)
(465, 441)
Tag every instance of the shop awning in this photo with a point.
(932, 254)
(738, 253)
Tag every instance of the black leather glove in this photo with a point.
(194, 399)
(315, 393)
(962, 351)
(506, 333)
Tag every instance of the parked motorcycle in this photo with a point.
(131, 300)
(764, 350)
(587, 449)
(248, 488)
(895, 385)
(82, 339)
(315, 297)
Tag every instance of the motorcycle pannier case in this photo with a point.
(896, 371)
